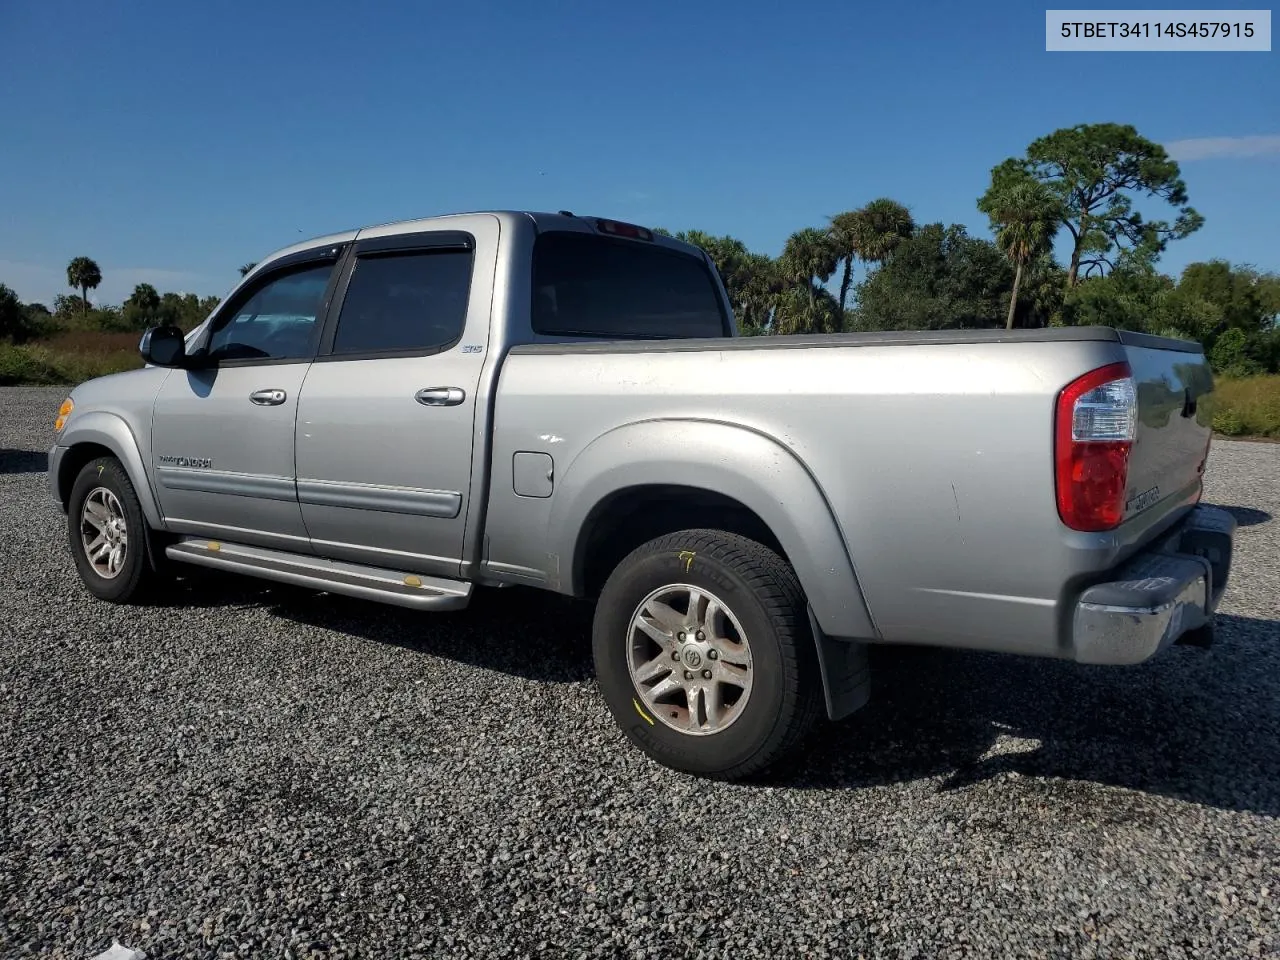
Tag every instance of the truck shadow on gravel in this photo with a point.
(521, 632)
(22, 461)
(1248, 516)
(1190, 724)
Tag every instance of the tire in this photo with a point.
(105, 483)
(758, 716)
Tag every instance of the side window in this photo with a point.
(277, 322)
(405, 302)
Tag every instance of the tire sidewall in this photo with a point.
(637, 577)
(106, 472)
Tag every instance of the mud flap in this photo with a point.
(846, 675)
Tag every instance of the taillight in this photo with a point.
(1095, 423)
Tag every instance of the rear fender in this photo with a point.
(726, 459)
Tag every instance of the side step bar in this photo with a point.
(333, 576)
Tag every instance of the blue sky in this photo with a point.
(172, 142)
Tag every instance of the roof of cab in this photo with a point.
(542, 220)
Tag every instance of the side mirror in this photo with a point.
(163, 346)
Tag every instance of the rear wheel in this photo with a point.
(108, 533)
(704, 654)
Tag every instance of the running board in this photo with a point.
(332, 576)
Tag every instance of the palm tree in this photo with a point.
(884, 224)
(145, 298)
(808, 255)
(246, 267)
(1025, 216)
(870, 234)
(844, 232)
(761, 283)
(84, 275)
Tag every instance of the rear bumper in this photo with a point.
(1165, 594)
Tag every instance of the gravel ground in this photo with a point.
(251, 771)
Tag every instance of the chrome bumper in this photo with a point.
(1166, 594)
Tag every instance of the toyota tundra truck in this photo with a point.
(403, 412)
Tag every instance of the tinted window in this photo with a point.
(277, 322)
(408, 301)
(591, 286)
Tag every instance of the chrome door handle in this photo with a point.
(268, 398)
(440, 396)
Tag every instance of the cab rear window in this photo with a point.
(599, 287)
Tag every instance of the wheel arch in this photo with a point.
(641, 481)
(101, 434)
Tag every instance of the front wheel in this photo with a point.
(108, 533)
(703, 652)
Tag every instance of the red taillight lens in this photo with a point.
(1094, 425)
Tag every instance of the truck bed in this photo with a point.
(933, 450)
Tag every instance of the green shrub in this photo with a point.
(1230, 355)
(43, 363)
(25, 364)
(1228, 422)
(1248, 406)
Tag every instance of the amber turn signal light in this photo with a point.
(64, 411)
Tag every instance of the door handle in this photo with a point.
(267, 398)
(440, 396)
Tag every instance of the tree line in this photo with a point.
(1082, 185)
(145, 307)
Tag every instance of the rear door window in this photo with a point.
(601, 287)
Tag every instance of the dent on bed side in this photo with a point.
(731, 461)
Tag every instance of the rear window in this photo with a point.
(589, 286)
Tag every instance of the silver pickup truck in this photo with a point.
(402, 412)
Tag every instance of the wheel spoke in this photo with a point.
(663, 687)
(94, 544)
(667, 615)
(102, 550)
(655, 632)
(654, 668)
(696, 697)
(696, 601)
(708, 619)
(96, 513)
(711, 703)
(734, 653)
(116, 559)
(734, 674)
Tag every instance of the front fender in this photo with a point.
(736, 462)
(109, 431)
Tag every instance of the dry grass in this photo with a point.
(71, 357)
(94, 342)
(1249, 407)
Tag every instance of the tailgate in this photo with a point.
(1174, 387)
